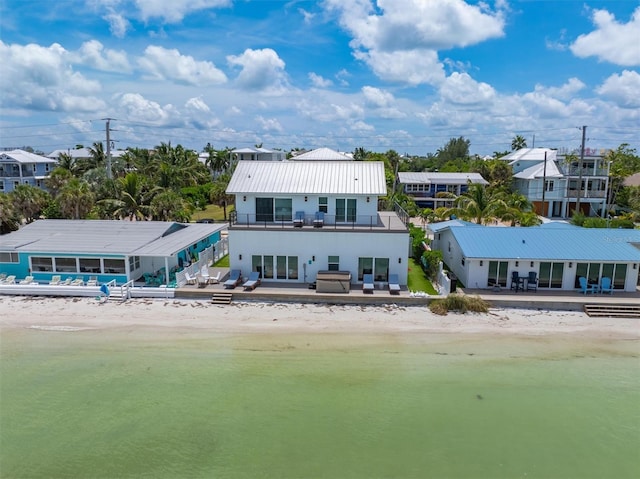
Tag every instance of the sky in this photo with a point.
(403, 75)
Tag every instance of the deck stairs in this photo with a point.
(612, 310)
(222, 298)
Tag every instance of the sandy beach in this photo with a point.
(73, 314)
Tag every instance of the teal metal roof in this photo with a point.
(549, 244)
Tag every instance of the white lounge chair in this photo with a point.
(67, 281)
(190, 279)
(11, 279)
(79, 281)
(252, 282)
(215, 279)
(367, 283)
(93, 281)
(55, 280)
(27, 280)
(394, 284)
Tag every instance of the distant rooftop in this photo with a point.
(440, 178)
(323, 154)
(530, 154)
(21, 156)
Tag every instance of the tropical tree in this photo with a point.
(217, 160)
(218, 193)
(624, 162)
(29, 201)
(360, 154)
(9, 217)
(69, 163)
(478, 204)
(518, 143)
(518, 210)
(455, 149)
(132, 199)
(75, 199)
(169, 206)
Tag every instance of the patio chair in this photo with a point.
(298, 220)
(394, 284)
(515, 281)
(252, 282)
(215, 279)
(27, 280)
(202, 281)
(532, 281)
(11, 279)
(204, 273)
(3, 276)
(93, 281)
(190, 279)
(367, 283)
(67, 282)
(55, 280)
(605, 285)
(79, 281)
(318, 221)
(235, 278)
(585, 287)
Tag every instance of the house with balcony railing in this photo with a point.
(19, 167)
(437, 189)
(294, 219)
(557, 185)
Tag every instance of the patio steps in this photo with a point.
(612, 310)
(221, 298)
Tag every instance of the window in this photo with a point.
(281, 264)
(41, 264)
(379, 267)
(134, 263)
(497, 275)
(264, 209)
(66, 265)
(47, 167)
(283, 209)
(548, 185)
(293, 267)
(286, 266)
(323, 204)
(345, 210)
(550, 275)
(114, 266)
(334, 263)
(90, 265)
(463, 260)
(6, 257)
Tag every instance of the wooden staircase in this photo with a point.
(222, 297)
(612, 310)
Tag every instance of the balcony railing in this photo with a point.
(586, 172)
(586, 194)
(382, 221)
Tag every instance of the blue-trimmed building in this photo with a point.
(19, 167)
(109, 250)
(559, 253)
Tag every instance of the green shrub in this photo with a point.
(438, 307)
(430, 263)
(459, 303)
(477, 305)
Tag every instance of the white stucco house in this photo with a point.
(293, 219)
(483, 257)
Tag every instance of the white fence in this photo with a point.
(206, 258)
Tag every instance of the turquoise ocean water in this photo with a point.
(125, 404)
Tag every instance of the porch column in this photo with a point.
(166, 268)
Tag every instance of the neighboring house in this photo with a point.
(81, 153)
(323, 154)
(552, 186)
(434, 190)
(339, 227)
(19, 167)
(258, 154)
(559, 253)
(110, 250)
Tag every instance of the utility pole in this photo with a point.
(584, 133)
(544, 182)
(108, 130)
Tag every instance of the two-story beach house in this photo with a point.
(557, 185)
(19, 167)
(435, 189)
(294, 219)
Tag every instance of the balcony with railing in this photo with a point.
(571, 193)
(382, 221)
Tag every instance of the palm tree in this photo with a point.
(170, 206)
(360, 154)
(9, 217)
(518, 143)
(516, 208)
(477, 203)
(69, 163)
(76, 199)
(218, 194)
(29, 201)
(132, 202)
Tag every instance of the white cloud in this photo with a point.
(306, 15)
(361, 126)
(398, 33)
(269, 124)
(93, 54)
(461, 89)
(197, 104)
(623, 89)
(174, 11)
(376, 97)
(118, 25)
(42, 78)
(138, 108)
(611, 41)
(318, 81)
(260, 70)
(564, 92)
(169, 64)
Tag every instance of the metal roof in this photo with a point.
(21, 156)
(538, 171)
(440, 178)
(530, 154)
(323, 154)
(549, 244)
(316, 177)
(130, 238)
(440, 225)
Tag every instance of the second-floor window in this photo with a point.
(345, 210)
(323, 204)
(273, 209)
(548, 185)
